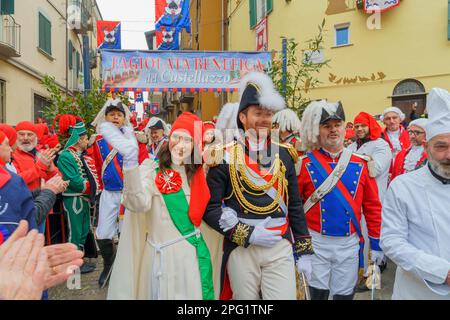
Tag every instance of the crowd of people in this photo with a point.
(257, 204)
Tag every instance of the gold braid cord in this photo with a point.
(238, 175)
(303, 246)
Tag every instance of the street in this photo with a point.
(91, 291)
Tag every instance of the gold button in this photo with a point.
(323, 210)
(245, 211)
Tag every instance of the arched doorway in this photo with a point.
(407, 94)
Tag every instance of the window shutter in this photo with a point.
(448, 19)
(7, 7)
(253, 13)
(269, 6)
(70, 55)
(45, 34)
(78, 63)
(48, 36)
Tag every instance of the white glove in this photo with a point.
(304, 266)
(376, 257)
(263, 237)
(228, 219)
(125, 143)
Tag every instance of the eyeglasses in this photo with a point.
(415, 132)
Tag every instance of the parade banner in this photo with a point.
(172, 13)
(379, 5)
(109, 35)
(185, 71)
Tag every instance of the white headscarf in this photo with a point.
(393, 109)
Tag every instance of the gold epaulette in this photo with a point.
(292, 151)
(214, 155)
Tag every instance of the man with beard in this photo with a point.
(414, 157)
(415, 230)
(31, 165)
(79, 169)
(255, 203)
(370, 143)
(336, 186)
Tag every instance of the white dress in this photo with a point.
(140, 271)
(415, 234)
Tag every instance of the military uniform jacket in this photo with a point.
(111, 178)
(328, 216)
(71, 166)
(220, 182)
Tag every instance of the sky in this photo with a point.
(137, 16)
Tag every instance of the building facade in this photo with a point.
(376, 60)
(208, 33)
(38, 38)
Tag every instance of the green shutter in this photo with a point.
(7, 7)
(70, 55)
(78, 63)
(253, 13)
(448, 19)
(45, 34)
(269, 6)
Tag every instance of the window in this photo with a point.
(45, 34)
(6, 7)
(409, 86)
(259, 9)
(2, 101)
(342, 35)
(39, 105)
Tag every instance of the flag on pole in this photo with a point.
(109, 35)
(172, 13)
(379, 5)
(168, 39)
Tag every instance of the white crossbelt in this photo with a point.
(157, 272)
(330, 182)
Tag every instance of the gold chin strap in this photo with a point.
(238, 175)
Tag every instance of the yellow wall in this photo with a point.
(412, 43)
(209, 31)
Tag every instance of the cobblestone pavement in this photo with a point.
(90, 290)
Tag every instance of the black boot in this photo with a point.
(343, 297)
(319, 294)
(107, 251)
(86, 267)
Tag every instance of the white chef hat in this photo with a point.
(422, 122)
(438, 106)
(393, 109)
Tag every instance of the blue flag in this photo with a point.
(173, 13)
(169, 39)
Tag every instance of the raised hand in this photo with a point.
(125, 143)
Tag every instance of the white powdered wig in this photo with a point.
(393, 109)
(269, 98)
(288, 120)
(310, 125)
(153, 121)
(100, 118)
(227, 118)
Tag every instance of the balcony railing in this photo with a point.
(9, 37)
